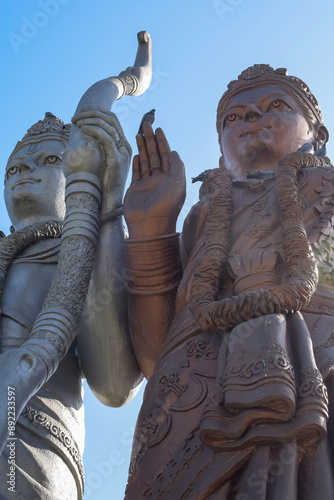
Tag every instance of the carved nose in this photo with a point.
(252, 112)
(23, 167)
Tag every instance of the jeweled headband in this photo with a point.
(263, 73)
(49, 128)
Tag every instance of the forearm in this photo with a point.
(150, 319)
(153, 274)
(151, 208)
(107, 357)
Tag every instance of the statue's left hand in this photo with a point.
(105, 128)
(22, 373)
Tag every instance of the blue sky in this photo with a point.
(53, 50)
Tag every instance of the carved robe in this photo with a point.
(50, 431)
(243, 414)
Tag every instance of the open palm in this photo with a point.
(157, 191)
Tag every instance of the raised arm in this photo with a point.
(104, 341)
(151, 207)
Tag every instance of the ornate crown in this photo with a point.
(266, 74)
(49, 128)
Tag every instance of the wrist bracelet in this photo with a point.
(81, 222)
(83, 182)
(153, 264)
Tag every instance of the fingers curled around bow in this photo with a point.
(105, 140)
(107, 121)
(102, 131)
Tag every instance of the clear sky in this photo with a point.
(53, 50)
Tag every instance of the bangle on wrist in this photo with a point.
(83, 182)
(153, 264)
(80, 220)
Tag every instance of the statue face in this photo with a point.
(35, 181)
(260, 126)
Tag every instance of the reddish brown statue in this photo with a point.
(238, 341)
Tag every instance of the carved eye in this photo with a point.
(280, 105)
(11, 171)
(230, 119)
(52, 160)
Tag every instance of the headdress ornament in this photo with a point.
(263, 73)
(49, 128)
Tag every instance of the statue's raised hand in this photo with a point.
(105, 131)
(157, 191)
(82, 154)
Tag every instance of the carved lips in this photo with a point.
(22, 182)
(254, 131)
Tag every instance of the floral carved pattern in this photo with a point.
(199, 348)
(256, 230)
(268, 357)
(328, 343)
(311, 384)
(324, 247)
(56, 431)
(154, 428)
(170, 383)
(324, 255)
(260, 205)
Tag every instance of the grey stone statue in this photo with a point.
(57, 260)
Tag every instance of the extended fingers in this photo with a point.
(151, 147)
(154, 151)
(149, 158)
(143, 157)
(136, 174)
(164, 149)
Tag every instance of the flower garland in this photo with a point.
(16, 242)
(290, 296)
